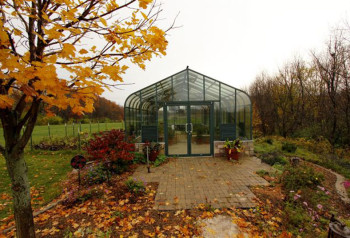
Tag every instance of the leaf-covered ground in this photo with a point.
(111, 210)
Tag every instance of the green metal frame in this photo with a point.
(188, 104)
(136, 114)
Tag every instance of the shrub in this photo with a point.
(96, 175)
(139, 158)
(111, 149)
(295, 178)
(153, 150)
(289, 147)
(75, 195)
(273, 158)
(57, 143)
(269, 141)
(262, 172)
(296, 216)
(55, 120)
(160, 160)
(134, 186)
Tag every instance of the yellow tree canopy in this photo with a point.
(65, 52)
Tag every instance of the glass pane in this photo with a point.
(196, 86)
(160, 125)
(177, 136)
(200, 123)
(227, 105)
(164, 91)
(211, 89)
(216, 121)
(180, 87)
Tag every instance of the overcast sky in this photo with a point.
(234, 40)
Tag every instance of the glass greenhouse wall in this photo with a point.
(188, 111)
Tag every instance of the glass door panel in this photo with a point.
(200, 129)
(177, 130)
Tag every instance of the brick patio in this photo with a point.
(186, 182)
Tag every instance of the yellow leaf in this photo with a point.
(144, 15)
(103, 21)
(83, 51)
(143, 3)
(68, 50)
(6, 101)
(17, 32)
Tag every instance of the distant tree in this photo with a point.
(308, 99)
(63, 53)
(105, 108)
(329, 66)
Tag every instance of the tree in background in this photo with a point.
(103, 108)
(63, 53)
(308, 99)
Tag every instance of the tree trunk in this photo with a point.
(17, 169)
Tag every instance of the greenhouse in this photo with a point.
(188, 112)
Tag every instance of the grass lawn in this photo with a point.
(41, 132)
(46, 170)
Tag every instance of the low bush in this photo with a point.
(134, 186)
(57, 143)
(161, 159)
(297, 218)
(268, 141)
(139, 158)
(54, 120)
(76, 195)
(262, 172)
(295, 178)
(273, 158)
(289, 147)
(110, 149)
(96, 175)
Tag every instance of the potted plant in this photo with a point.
(153, 150)
(233, 149)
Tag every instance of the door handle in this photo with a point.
(191, 128)
(186, 127)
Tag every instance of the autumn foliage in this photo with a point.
(60, 54)
(110, 146)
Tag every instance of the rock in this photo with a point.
(220, 226)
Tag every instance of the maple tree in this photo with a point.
(64, 53)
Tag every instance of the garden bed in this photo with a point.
(312, 220)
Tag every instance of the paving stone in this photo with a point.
(204, 180)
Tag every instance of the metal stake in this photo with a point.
(148, 166)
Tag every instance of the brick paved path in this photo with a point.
(187, 182)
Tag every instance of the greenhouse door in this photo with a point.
(188, 129)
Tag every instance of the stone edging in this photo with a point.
(339, 184)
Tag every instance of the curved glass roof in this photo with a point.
(233, 105)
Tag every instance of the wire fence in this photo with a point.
(75, 131)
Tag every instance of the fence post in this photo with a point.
(90, 127)
(98, 126)
(79, 143)
(73, 128)
(65, 128)
(106, 125)
(48, 126)
(80, 126)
